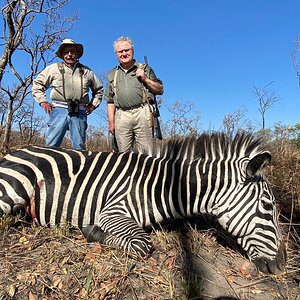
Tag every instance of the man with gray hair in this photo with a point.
(70, 82)
(130, 95)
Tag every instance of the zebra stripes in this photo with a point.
(113, 197)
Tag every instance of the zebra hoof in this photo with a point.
(94, 233)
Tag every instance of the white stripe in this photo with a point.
(142, 182)
(198, 187)
(206, 198)
(163, 199)
(24, 181)
(137, 199)
(175, 214)
(158, 217)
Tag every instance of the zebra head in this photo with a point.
(14, 189)
(251, 216)
(11, 205)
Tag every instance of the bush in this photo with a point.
(284, 177)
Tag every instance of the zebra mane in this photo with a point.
(209, 145)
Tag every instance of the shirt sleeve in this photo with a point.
(151, 74)
(40, 85)
(109, 93)
(97, 90)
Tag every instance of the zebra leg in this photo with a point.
(121, 231)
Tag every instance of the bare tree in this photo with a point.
(3, 109)
(96, 139)
(184, 120)
(266, 99)
(295, 60)
(30, 30)
(231, 122)
(29, 126)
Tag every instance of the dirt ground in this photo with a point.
(42, 263)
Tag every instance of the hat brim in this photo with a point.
(79, 48)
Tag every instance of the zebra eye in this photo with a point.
(266, 205)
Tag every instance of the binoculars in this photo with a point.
(73, 107)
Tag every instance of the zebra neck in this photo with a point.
(189, 190)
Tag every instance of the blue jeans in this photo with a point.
(58, 124)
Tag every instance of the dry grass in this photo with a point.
(42, 263)
(284, 175)
(59, 264)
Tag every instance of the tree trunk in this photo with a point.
(7, 133)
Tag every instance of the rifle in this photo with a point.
(155, 112)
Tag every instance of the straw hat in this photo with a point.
(65, 42)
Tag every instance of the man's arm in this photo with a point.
(111, 117)
(97, 91)
(39, 87)
(156, 87)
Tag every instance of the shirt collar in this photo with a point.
(134, 67)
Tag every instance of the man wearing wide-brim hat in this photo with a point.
(70, 82)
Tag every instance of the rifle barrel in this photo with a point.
(146, 59)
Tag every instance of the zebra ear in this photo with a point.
(257, 163)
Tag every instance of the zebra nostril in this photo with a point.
(18, 209)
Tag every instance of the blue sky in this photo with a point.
(208, 52)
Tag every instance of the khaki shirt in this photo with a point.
(51, 76)
(129, 90)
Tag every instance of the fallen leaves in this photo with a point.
(23, 240)
(11, 290)
(244, 268)
(28, 278)
(92, 254)
(37, 264)
(32, 296)
(57, 282)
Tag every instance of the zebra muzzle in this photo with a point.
(19, 209)
(272, 266)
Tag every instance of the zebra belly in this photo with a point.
(74, 211)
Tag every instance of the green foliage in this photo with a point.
(289, 133)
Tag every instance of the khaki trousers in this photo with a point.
(133, 129)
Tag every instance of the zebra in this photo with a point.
(114, 198)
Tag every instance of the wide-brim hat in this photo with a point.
(66, 42)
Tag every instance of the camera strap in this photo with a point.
(62, 71)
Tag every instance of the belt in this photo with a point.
(132, 107)
(64, 104)
(57, 103)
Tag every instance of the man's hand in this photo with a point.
(111, 127)
(111, 117)
(89, 108)
(140, 74)
(47, 107)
